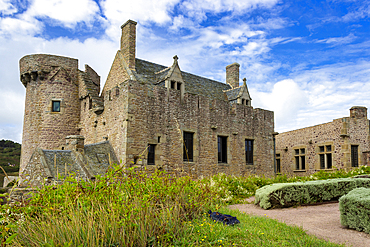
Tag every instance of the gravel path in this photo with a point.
(320, 220)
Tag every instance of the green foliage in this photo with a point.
(292, 194)
(354, 209)
(122, 208)
(233, 189)
(10, 154)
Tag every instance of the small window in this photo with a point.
(242, 101)
(90, 103)
(188, 146)
(322, 149)
(117, 91)
(222, 149)
(55, 106)
(173, 84)
(178, 86)
(354, 155)
(249, 152)
(246, 102)
(151, 154)
(300, 159)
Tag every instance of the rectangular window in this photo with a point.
(249, 152)
(354, 155)
(178, 86)
(222, 149)
(55, 106)
(188, 146)
(151, 154)
(325, 155)
(173, 84)
(300, 159)
(278, 169)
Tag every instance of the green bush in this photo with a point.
(354, 209)
(291, 194)
(122, 208)
(235, 189)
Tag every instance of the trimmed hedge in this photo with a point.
(292, 194)
(355, 209)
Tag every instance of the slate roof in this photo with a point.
(152, 73)
(232, 94)
(96, 160)
(63, 161)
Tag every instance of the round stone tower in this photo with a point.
(52, 108)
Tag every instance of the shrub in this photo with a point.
(123, 208)
(354, 209)
(291, 194)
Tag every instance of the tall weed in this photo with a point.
(122, 208)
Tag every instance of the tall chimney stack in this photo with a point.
(128, 43)
(232, 75)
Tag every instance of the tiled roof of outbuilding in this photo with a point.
(154, 73)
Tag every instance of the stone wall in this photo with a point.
(340, 134)
(157, 116)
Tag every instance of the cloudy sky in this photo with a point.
(308, 61)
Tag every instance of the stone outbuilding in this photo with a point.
(149, 114)
(340, 144)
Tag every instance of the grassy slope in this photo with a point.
(10, 153)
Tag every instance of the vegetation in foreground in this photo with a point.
(132, 208)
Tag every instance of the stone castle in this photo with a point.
(146, 115)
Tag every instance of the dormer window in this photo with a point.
(243, 101)
(246, 102)
(173, 83)
(178, 86)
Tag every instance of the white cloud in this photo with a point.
(7, 8)
(193, 7)
(16, 27)
(67, 12)
(338, 40)
(286, 99)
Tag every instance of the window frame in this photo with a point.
(325, 156)
(299, 158)
(188, 146)
(354, 156)
(248, 144)
(52, 105)
(222, 149)
(151, 154)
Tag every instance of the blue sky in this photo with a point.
(308, 61)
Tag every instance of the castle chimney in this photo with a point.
(232, 75)
(128, 43)
(75, 143)
(358, 112)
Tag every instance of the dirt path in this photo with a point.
(320, 220)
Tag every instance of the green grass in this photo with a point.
(132, 208)
(252, 231)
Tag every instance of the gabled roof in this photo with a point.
(235, 93)
(152, 73)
